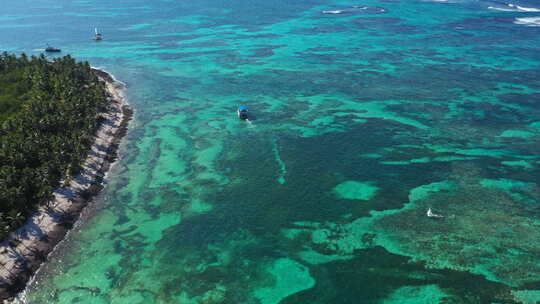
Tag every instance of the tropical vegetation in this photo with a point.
(49, 112)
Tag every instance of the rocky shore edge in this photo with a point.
(22, 253)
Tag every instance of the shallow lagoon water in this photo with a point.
(360, 122)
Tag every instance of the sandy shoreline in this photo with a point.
(27, 248)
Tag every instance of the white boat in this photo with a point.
(98, 35)
(431, 214)
(333, 12)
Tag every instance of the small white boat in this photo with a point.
(333, 12)
(98, 35)
(431, 214)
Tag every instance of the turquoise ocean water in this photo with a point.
(360, 122)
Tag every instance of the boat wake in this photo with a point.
(529, 21)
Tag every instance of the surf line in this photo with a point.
(281, 163)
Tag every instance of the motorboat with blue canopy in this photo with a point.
(242, 112)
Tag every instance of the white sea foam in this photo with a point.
(529, 21)
(110, 74)
(445, 1)
(515, 8)
(527, 9)
(441, 1)
(501, 9)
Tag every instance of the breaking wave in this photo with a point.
(515, 8)
(529, 21)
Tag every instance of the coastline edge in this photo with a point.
(27, 248)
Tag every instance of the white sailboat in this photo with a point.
(333, 12)
(98, 35)
(431, 214)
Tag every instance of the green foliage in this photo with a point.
(49, 112)
(13, 87)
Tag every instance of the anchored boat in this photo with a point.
(242, 112)
(430, 213)
(98, 36)
(51, 49)
(333, 12)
